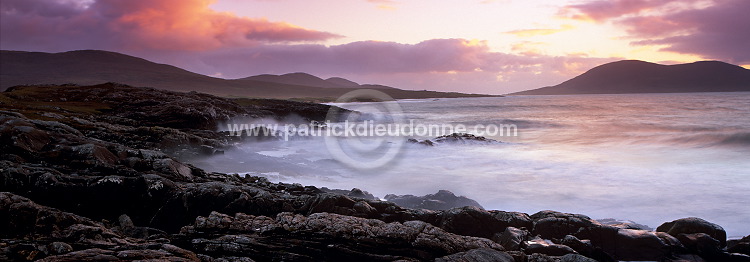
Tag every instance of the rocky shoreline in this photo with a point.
(96, 173)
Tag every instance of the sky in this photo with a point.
(474, 46)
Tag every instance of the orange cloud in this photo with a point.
(143, 25)
(536, 32)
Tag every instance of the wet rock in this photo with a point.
(425, 142)
(59, 248)
(576, 258)
(705, 246)
(536, 257)
(355, 192)
(480, 254)
(694, 225)
(350, 237)
(511, 238)
(463, 138)
(442, 200)
(556, 225)
(741, 246)
(473, 221)
(631, 244)
(546, 247)
(626, 224)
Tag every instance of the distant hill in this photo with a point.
(303, 79)
(633, 76)
(90, 67)
(342, 82)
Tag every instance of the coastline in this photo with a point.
(91, 177)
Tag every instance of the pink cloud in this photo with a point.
(437, 64)
(132, 25)
(717, 31)
(601, 10)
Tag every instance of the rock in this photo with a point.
(626, 224)
(702, 244)
(536, 257)
(425, 142)
(57, 248)
(583, 247)
(631, 244)
(694, 225)
(556, 225)
(473, 221)
(338, 237)
(512, 238)
(686, 258)
(355, 192)
(480, 254)
(463, 138)
(546, 247)
(442, 200)
(576, 258)
(741, 246)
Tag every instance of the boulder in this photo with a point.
(546, 247)
(511, 238)
(442, 200)
(692, 225)
(479, 254)
(556, 225)
(631, 244)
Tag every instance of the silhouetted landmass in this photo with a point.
(91, 67)
(633, 76)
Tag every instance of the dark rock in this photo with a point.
(480, 254)
(694, 225)
(511, 238)
(631, 244)
(442, 200)
(57, 248)
(685, 258)
(623, 224)
(703, 245)
(741, 246)
(536, 257)
(556, 225)
(463, 138)
(546, 247)
(576, 258)
(473, 221)
(355, 192)
(326, 236)
(425, 142)
(583, 247)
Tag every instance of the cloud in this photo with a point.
(711, 29)
(436, 64)
(602, 10)
(537, 32)
(388, 5)
(133, 25)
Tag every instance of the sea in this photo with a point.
(645, 158)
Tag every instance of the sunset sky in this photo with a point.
(480, 46)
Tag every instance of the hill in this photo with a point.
(90, 67)
(302, 79)
(633, 76)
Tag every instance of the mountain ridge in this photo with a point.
(91, 67)
(635, 76)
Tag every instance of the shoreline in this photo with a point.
(80, 183)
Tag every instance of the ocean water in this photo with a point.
(649, 158)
